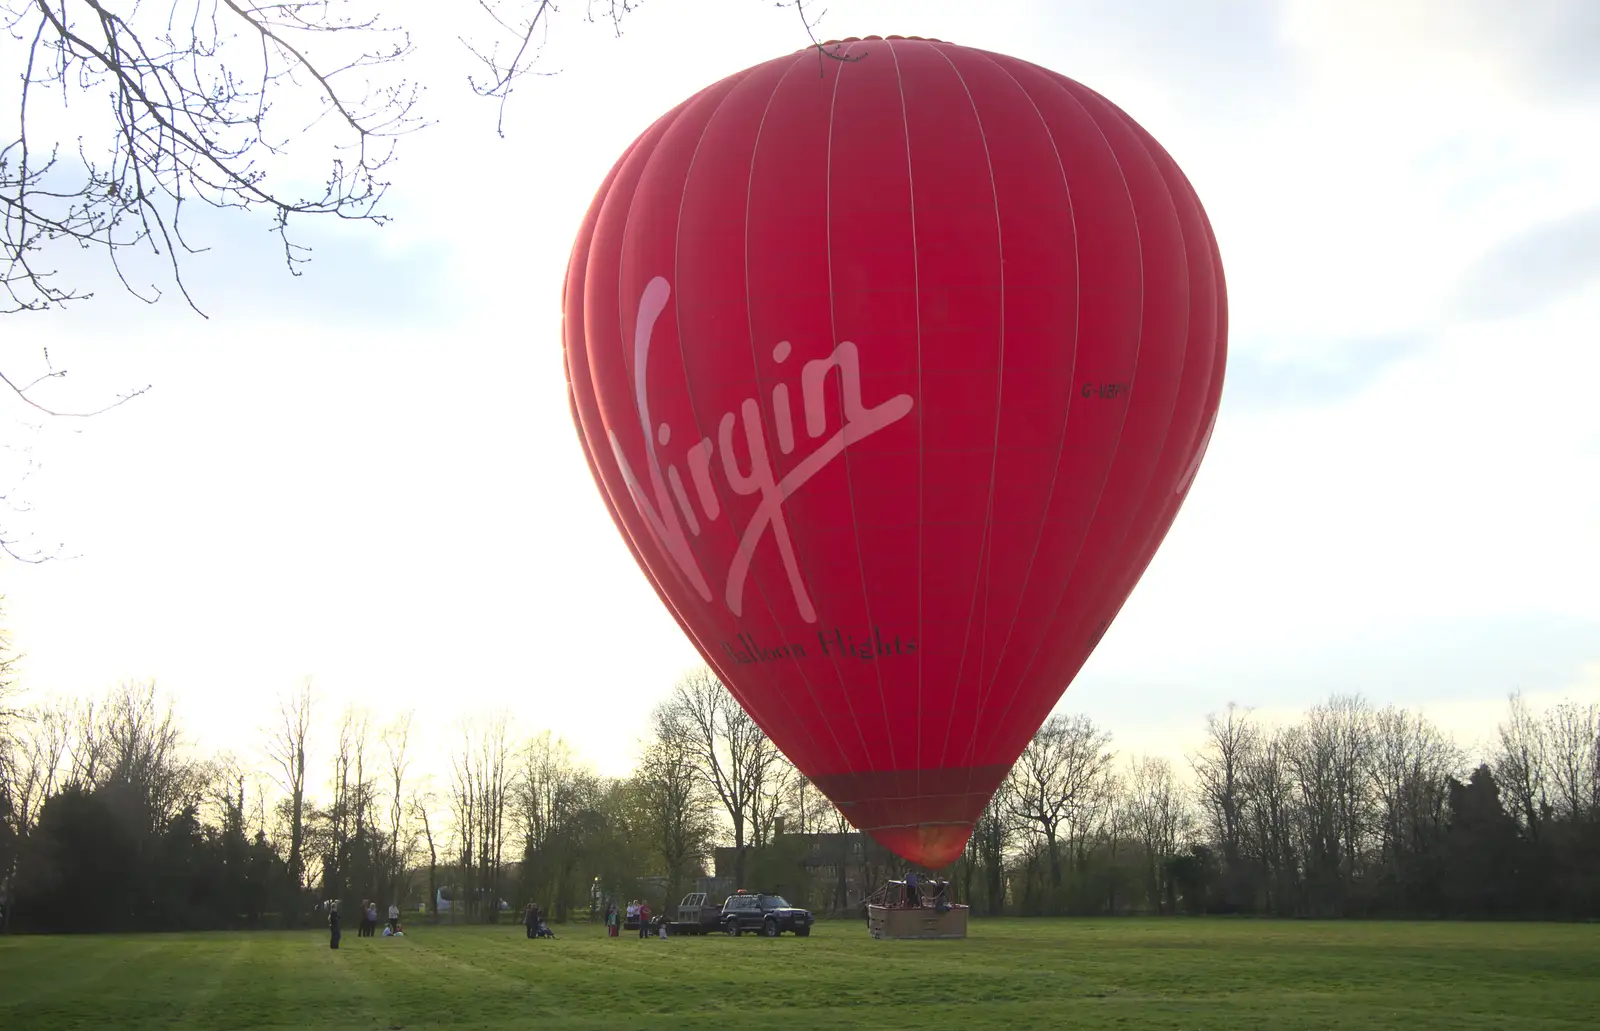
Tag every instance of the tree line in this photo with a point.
(1351, 811)
(110, 818)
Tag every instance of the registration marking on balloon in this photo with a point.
(670, 498)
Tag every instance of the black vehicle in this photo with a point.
(767, 915)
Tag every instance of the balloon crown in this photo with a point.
(862, 39)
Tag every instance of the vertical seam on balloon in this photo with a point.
(1111, 462)
(1118, 550)
(677, 314)
(1061, 442)
(986, 549)
(602, 195)
(623, 247)
(916, 295)
(677, 310)
(627, 222)
(755, 147)
(1182, 194)
(855, 526)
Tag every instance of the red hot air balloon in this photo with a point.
(893, 375)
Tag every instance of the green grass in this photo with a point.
(1010, 974)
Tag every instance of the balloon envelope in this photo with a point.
(894, 371)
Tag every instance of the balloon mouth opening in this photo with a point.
(929, 845)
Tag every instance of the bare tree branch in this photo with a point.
(207, 104)
(523, 33)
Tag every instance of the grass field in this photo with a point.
(1011, 974)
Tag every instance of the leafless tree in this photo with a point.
(37, 759)
(988, 846)
(344, 825)
(675, 807)
(396, 740)
(12, 827)
(226, 774)
(1521, 766)
(133, 119)
(1219, 769)
(774, 800)
(480, 796)
(1055, 783)
(557, 802)
(1157, 818)
(129, 744)
(1572, 746)
(1109, 834)
(493, 776)
(221, 104)
(1329, 755)
(1271, 818)
(1410, 765)
(420, 803)
(733, 754)
(512, 41)
(9, 713)
(286, 750)
(215, 103)
(806, 810)
(137, 741)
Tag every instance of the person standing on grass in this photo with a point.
(613, 918)
(394, 916)
(333, 925)
(644, 919)
(530, 918)
(372, 919)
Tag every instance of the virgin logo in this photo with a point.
(668, 498)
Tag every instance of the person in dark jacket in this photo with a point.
(333, 926)
(530, 919)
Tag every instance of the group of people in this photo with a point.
(616, 919)
(927, 891)
(533, 920)
(368, 926)
(369, 920)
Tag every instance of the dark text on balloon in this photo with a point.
(830, 644)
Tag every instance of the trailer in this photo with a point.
(696, 915)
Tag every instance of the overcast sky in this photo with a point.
(368, 474)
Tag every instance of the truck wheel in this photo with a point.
(769, 928)
(802, 932)
(733, 928)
